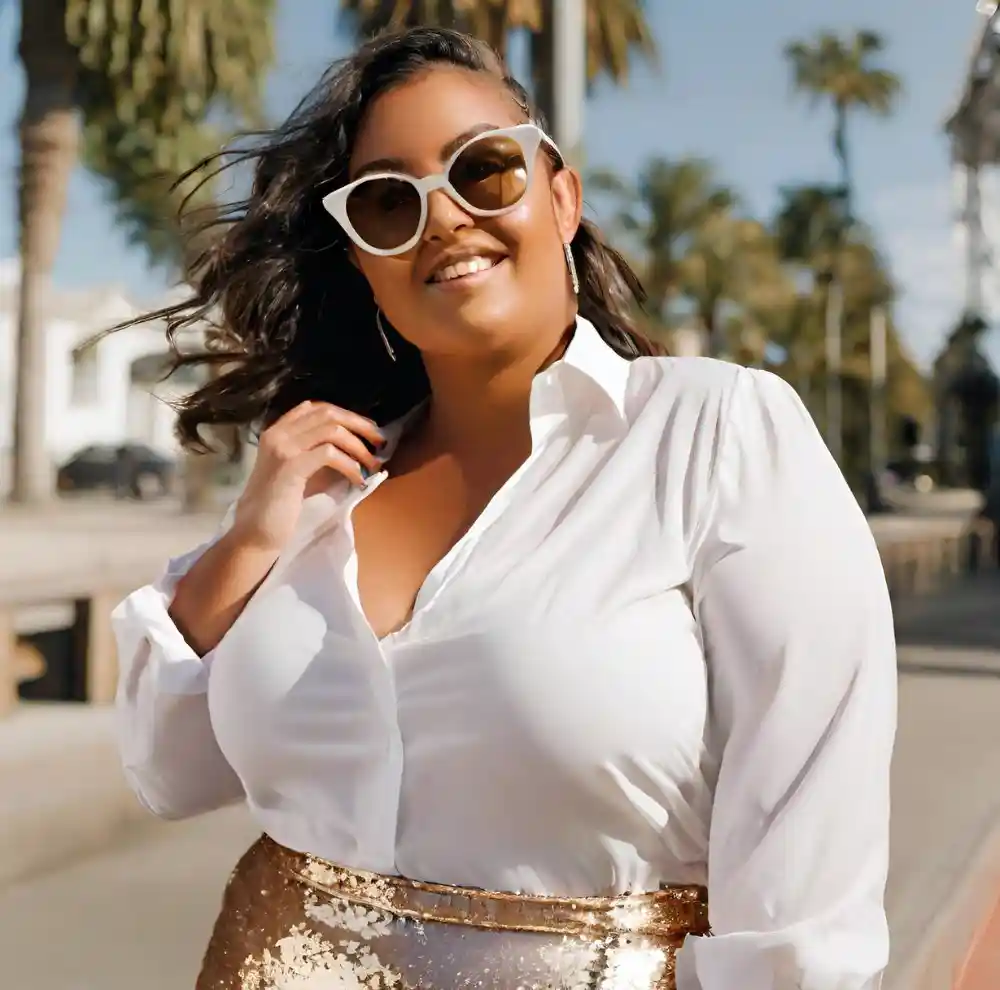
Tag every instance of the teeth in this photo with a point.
(468, 266)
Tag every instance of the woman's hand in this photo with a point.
(308, 440)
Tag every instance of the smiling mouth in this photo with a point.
(462, 270)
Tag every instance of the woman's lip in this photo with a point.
(466, 281)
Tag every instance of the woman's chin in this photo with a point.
(482, 315)
(476, 334)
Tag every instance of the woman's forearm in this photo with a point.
(211, 596)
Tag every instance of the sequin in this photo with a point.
(290, 921)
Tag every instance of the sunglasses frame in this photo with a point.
(530, 137)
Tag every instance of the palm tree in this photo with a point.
(809, 225)
(49, 137)
(809, 234)
(732, 275)
(842, 71)
(151, 67)
(616, 30)
(660, 214)
(809, 231)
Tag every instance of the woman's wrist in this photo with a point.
(246, 543)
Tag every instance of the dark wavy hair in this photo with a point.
(288, 317)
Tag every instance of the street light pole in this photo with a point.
(569, 64)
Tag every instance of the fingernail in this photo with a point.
(365, 473)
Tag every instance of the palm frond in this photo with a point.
(173, 59)
(830, 67)
(158, 80)
(617, 30)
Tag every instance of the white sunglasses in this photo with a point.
(385, 213)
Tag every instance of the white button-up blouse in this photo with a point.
(664, 653)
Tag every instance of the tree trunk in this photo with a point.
(49, 134)
(713, 330)
(834, 315)
(841, 151)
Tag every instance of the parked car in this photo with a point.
(131, 469)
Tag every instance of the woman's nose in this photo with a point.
(444, 216)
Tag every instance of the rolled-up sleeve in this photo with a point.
(170, 755)
(792, 604)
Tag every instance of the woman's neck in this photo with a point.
(477, 407)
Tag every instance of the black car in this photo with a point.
(130, 469)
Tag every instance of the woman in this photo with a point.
(520, 635)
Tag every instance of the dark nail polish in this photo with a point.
(365, 473)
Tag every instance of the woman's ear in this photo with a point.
(567, 202)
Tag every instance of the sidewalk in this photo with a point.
(944, 880)
(63, 794)
(136, 917)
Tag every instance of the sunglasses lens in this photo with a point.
(384, 212)
(491, 173)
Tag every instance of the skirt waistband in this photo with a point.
(670, 913)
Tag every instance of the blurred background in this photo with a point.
(804, 187)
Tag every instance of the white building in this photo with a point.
(103, 393)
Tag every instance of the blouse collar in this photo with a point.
(589, 354)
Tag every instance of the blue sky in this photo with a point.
(722, 92)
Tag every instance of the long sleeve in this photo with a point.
(792, 604)
(171, 758)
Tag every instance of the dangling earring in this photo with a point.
(571, 265)
(381, 333)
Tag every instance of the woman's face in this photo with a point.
(527, 293)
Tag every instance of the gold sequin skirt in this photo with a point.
(290, 921)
